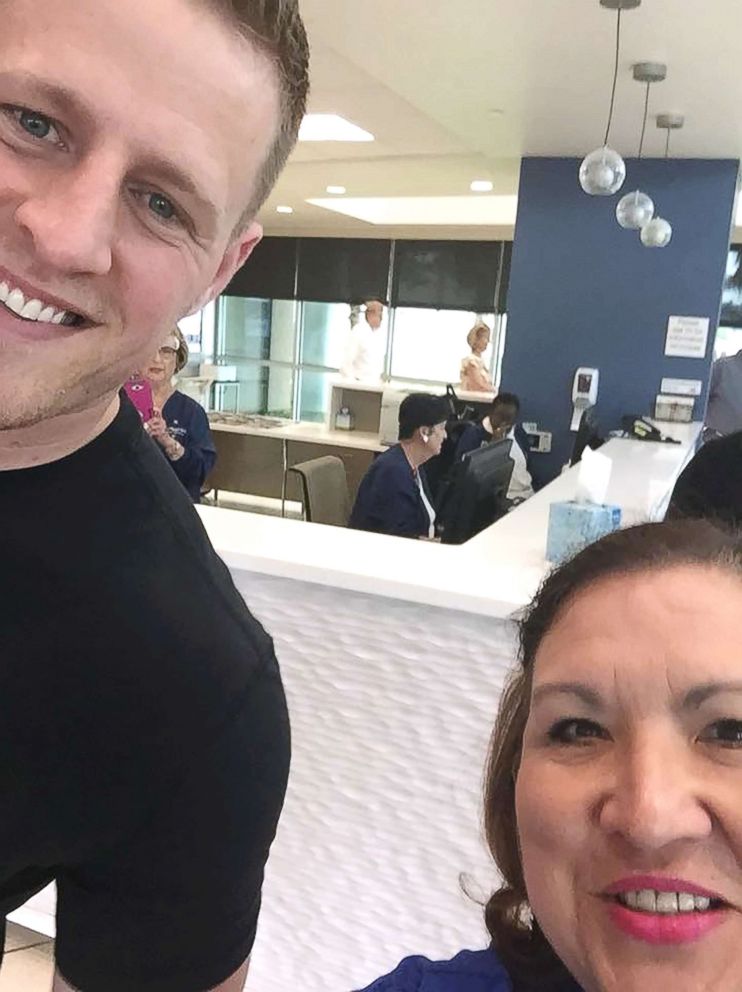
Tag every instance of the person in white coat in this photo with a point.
(364, 360)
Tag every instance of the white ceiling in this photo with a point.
(461, 91)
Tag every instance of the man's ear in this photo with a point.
(234, 258)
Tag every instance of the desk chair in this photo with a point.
(324, 488)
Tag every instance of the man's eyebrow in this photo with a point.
(174, 176)
(702, 693)
(60, 96)
(583, 692)
(66, 101)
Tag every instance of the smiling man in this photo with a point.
(143, 728)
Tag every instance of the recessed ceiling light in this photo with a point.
(466, 211)
(284, 210)
(331, 127)
(336, 190)
(481, 186)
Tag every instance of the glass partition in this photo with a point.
(430, 344)
(325, 334)
(287, 353)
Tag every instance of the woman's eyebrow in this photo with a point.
(702, 693)
(583, 692)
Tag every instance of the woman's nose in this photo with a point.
(655, 797)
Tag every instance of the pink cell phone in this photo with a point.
(139, 392)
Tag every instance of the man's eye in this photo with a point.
(576, 731)
(37, 125)
(161, 206)
(727, 733)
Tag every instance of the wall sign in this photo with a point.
(682, 387)
(687, 337)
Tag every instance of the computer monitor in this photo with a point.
(588, 434)
(477, 496)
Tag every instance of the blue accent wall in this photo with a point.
(583, 291)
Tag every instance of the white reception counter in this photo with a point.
(494, 574)
(393, 654)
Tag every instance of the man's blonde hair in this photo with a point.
(277, 30)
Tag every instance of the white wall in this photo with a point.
(392, 705)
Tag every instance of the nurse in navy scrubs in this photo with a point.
(179, 425)
(393, 497)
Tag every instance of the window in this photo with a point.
(430, 344)
(728, 342)
(198, 330)
(286, 353)
(324, 334)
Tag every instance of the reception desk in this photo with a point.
(394, 654)
(252, 458)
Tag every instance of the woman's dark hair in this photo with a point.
(420, 410)
(518, 939)
(506, 399)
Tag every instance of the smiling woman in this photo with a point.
(612, 801)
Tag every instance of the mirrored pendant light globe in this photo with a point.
(656, 234)
(602, 172)
(634, 211)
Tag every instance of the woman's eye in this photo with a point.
(576, 731)
(727, 733)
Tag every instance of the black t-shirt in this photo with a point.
(144, 739)
(710, 486)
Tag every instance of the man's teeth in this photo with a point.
(666, 903)
(32, 309)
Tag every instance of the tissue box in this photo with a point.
(572, 526)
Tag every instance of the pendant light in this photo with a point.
(658, 232)
(603, 171)
(635, 210)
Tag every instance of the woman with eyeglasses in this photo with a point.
(179, 425)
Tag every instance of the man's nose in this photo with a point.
(655, 797)
(72, 220)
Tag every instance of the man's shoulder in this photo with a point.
(729, 363)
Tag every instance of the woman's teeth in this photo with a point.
(30, 309)
(667, 903)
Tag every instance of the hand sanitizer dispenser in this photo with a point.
(584, 394)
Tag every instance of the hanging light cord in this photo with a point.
(615, 77)
(644, 125)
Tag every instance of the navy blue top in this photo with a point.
(388, 500)
(469, 971)
(473, 436)
(187, 422)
